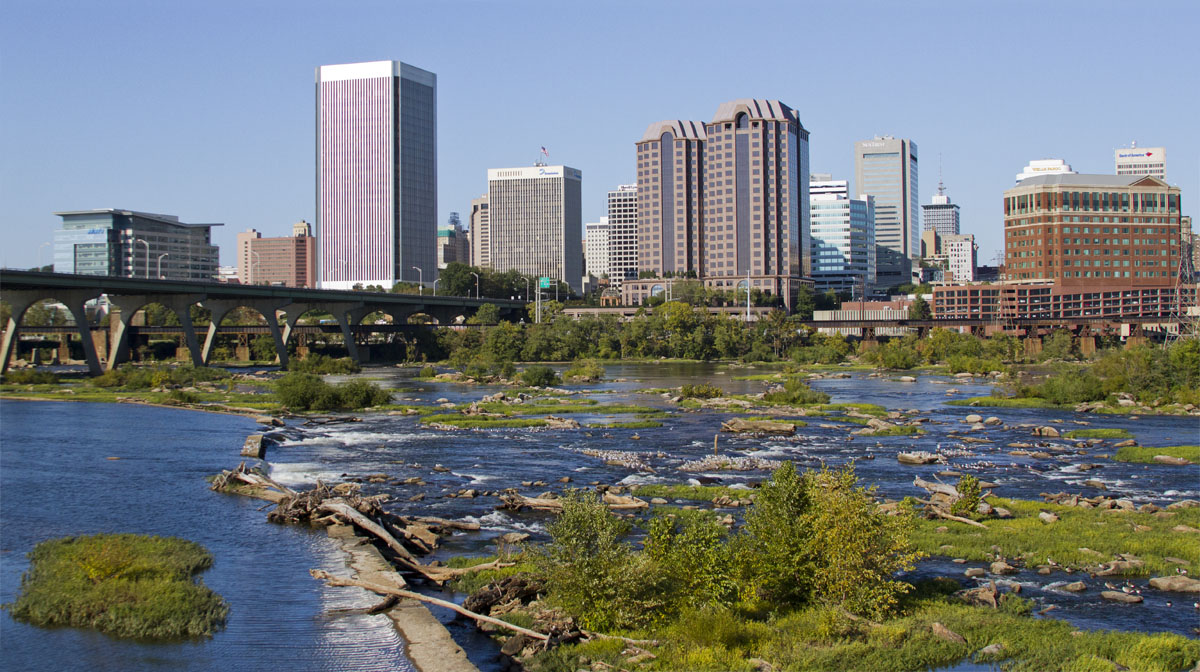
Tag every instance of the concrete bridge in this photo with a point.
(22, 289)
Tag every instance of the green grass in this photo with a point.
(1026, 536)
(124, 585)
(636, 424)
(476, 422)
(869, 409)
(776, 418)
(1005, 402)
(1099, 434)
(897, 430)
(818, 639)
(469, 583)
(1145, 454)
(577, 406)
(852, 419)
(699, 493)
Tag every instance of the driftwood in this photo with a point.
(939, 513)
(381, 589)
(341, 508)
(442, 522)
(948, 490)
(515, 501)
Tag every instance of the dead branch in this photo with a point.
(442, 522)
(380, 589)
(632, 642)
(958, 519)
(948, 490)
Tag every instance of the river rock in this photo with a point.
(947, 634)
(1179, 584)
(973, 418)
(1118, 596)
(1125, 444)
(1183, 504)
(255, 447)
(916, 457)
(1002, 512)
(975, 572)
(992, 649)
(1046, 431)
(1119, 567)
(1075, 587)
(1093, 483)
(1048, 517)
(268, 420)
(906, 379)
(1174, 461)
(1001, 567)
(1185, 528)
(512, 538)
(658, 501)
(993, 420)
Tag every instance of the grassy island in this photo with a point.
(124, 585)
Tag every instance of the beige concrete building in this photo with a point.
(535, 222)
(886, 168)
(1134, 160)
(480, 232)
(1075, 229)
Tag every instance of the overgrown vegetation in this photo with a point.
(795, 392)
(308, 392)
(321, 364)
(1150, 374)
(29, 377)
(584, 371)
(1104, 433)
(537, 375)
(701, 391)
(1145, 454)
(124, 585)
(476, 422)
(1025, 538)
(143, 377)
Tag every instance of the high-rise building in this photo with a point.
(596, 241)
(756, 214)
(452, 243)
(1134, 160)
(886, 168)
(535, 222)
(481, 238)
(670, 183)
(960, 252)
(940, 214)
(134, 244)
(289, 261)
(1045, 167)
(622, 234)
(843, 238)
(376, 173)
(1189, 243)
(1085, 230)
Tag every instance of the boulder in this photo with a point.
(1178, 584)
(906, 379)
(1048, 517)
(1120, 567)
(1046, 431)
(916, 457)
(973, 418)
(1185, 528)
(1183, 504)
(975, 572)
(992, 649)
(760, 427)
(268, 420)
(1001, 567)
(1174, 461)
(255, 446)
(1093, 483)
(512, 538)
(1118, 596)
(1125, 444)
(947, 634)
(993, 420)
(1075, 587)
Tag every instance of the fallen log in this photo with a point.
(442, 522)
(381, 589)
(340, 507)
(929, 486)
(958, 519)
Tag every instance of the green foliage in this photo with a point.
(584, 370)
(475, 422)
(796, 392)
(322, 364)
(427, 372)
(307, 392)
(896, 430)
(262, 348)
(488, 313)
(1071, 388)
(1145, 454)
(822, 349)
(691, 555)
(142, 378)
(1058, 345)
(919, 310)
(968, 364)
(897, 353)
(537, 375)
(1106, 433)
(30, 377)
(590, 572)
(969, 496)
(124, 585)
(701, 391)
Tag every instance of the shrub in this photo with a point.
(797, 393)
(124, 585)
(537, 375)
(306, 391)
(361, 394)
(691, 554)
(969, 495)
(590, 572)
(427, 372)
(1071, 388)
(584, 370)
(322, 364)
(300, 391)
(701, 391)
(30, 377)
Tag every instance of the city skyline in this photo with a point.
(212, 139)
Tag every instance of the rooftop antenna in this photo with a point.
(941, 187)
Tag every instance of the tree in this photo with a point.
(919, 310)
(488, 313)
(805, 303)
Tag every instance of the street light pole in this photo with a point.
(139, 240)
(420, 280)
(435, 281)
(160, 258)
(476, 284)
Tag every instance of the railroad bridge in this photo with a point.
(281, 308)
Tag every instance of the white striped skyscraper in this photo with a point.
(376, 174)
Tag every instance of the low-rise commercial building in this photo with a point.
(289, 261)
(132, 244)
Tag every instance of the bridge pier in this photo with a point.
(342, 312)
(221, 307)
(74, 300)
(129, 304)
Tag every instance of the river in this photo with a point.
(276, 616)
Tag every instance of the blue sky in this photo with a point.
(205, 110)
